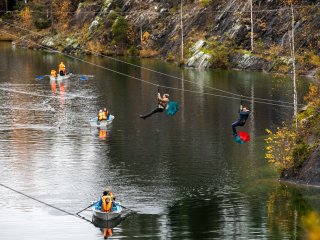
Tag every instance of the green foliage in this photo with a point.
(133, 51)
(219, 52)
(300, 153)
(120, 29)
(20, 4)
(205, 3)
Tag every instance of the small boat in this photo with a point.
(60, 78)
(95, 123)
(107, 216)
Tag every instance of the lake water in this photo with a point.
(184, 176)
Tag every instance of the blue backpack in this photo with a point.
(172, 108)
(238, 139)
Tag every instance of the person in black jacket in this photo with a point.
(243, 116)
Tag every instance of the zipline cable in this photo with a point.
(144, 81)
(168, 75)
(47, 204)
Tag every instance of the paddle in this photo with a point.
(87, 207)
(83, 78)
(41, 77)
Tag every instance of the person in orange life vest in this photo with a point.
(106, 114)
(106, 203)
(62, 69)
(106, 193)
(162, 104)
(53, 73)
(100, 115)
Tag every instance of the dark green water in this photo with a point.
(183, 175)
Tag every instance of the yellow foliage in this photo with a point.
(147, 53)
(279, 148)
(313, 97)
(311, 224)
(26, 18)
(95, 46)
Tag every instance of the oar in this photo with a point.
(83, 78)
(41, 77)
(87, 207)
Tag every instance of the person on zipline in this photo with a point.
(162, 104)
(243, 116)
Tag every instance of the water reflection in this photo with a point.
(184, 176)
(288, 211)
(106, 227)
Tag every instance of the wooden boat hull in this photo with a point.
(95, 123)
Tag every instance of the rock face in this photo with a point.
(225, 21)
(310, 171)
(248, 62)
(199, 59)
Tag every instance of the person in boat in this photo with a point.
(53, 73)
(162, 104)
(106, 114)
(243, 116)
(100, 115)
(62, 69)
(106, 200)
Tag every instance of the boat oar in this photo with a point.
(83, 78)
(41, 77)
(87, 207)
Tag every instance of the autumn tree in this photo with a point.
(61, 11)
(26, 18)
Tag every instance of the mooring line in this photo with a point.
(47, 204)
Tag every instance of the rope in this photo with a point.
(168, 75)
(144, 81)
(47, 204)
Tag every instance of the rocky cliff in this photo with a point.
(215, 33)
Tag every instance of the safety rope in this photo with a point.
(152, 70)
(144, 81)
(47, 204)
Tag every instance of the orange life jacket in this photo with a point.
(106, 206)
(53, 73)
(100, 116)
(104, 115)
(62, 67)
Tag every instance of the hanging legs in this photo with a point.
(156, 110)
(240, 122)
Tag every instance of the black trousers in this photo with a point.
(240, 122)
(156, 110)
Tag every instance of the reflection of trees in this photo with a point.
(286, 206)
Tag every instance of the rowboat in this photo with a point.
(107, 216)
(60, 78)
(95, 123)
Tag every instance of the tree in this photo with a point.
(26, 18)
(120, 29)
(60, 12)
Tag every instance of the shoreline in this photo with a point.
(83, 52)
